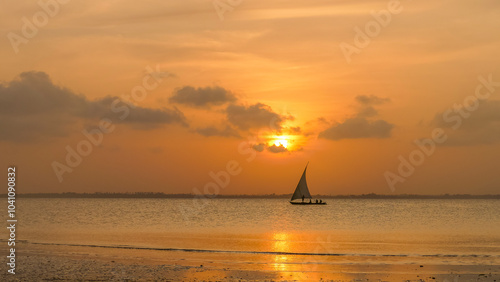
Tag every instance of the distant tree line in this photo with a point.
(159, 195)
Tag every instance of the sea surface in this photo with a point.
(350, 231)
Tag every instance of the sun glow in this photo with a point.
(281, 142)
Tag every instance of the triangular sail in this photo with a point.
(301, 189)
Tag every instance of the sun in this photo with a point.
(281, 142)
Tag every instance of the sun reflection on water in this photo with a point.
(281, 243)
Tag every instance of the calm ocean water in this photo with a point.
(452, 231)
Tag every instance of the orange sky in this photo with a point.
(264, 84)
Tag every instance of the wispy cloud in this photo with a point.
(202, 96)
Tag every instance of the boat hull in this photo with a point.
(307, 203)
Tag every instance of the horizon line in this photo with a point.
(272, 195)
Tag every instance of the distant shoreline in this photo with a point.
(151, 195)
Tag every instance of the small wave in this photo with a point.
(261, 252)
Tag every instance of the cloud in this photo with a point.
(482, 126)
(238, 116)
(367, 112)
(202, 96)
(277, 149)
(295, 129)
(160, 74)
(259, 147)
(31, 106)
(366, 104)
(33, 93)
(371, 100)
(137, 115)
(255, 116)
(359, 126)
(273, 148)
(213, 131)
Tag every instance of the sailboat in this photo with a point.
(302, 192)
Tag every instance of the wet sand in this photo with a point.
(70, 263)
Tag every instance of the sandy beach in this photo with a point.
(69, 263)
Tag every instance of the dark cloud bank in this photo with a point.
(238, 116)
(31, 107)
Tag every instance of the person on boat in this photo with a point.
(303, 198)
(316, 201)
(320, 201)
(310, 201)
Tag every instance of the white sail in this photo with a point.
(301, 189)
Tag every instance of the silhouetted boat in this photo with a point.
(302, 192)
